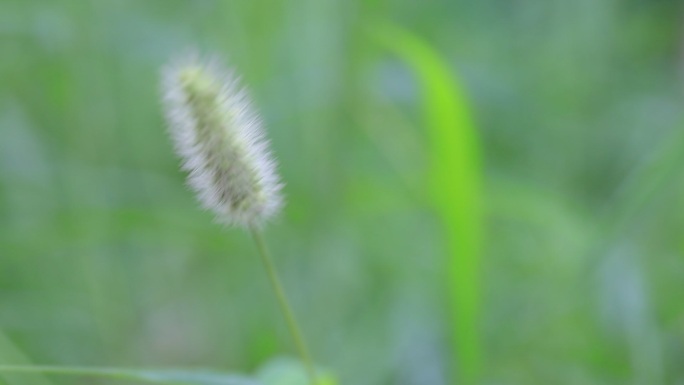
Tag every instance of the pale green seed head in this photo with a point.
(221, 143)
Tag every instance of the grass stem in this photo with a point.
(284, 305)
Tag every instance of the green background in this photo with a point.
(106, 260)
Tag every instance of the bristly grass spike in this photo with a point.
(221, 142)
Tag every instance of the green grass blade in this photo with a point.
(10, 353)
(171, 377)
(652, 176)
(455, 187)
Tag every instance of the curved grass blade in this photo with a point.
(169, 377)
(649, 178)
(455, 187)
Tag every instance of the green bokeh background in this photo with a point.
(106, 260)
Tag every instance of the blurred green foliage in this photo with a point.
(455, 186)
(105, 258)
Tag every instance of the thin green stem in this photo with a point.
(284, 304)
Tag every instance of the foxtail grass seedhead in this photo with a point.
(221, 143)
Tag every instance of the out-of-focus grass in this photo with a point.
(655, 172)
(278, 371)
(105, 259)
(455, 179)
(170, 377)
(10, 354)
